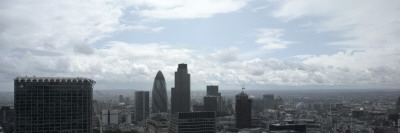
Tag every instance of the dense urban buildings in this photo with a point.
(141, 105)
(180, 94)
(243, 111)
(193, 122)
(109, 116)
(159, 94)
(7, 119)
(53, 99)
(53, 104)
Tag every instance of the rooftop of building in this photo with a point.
(52, 79)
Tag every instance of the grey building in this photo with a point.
(53, 104)
(180, 95)
(243, 111)
(212, 90)
(211, 103)
(7, 118)
(268, 101)
(193, 122)
(141, 105)
(159, 101)
(121, 99)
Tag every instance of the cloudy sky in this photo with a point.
(264, 44)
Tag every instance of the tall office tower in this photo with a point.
(193, 122)
(212, 90)
(53, 104)
(243, 111)
(121, 99)
(211, 103)
(180, 95)
(141, 105)
(109, 116)
(268, 101)
(159, 101)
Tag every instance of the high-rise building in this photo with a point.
(109, 116)
(121, 99)
(211, 103)
(268, 101)
(180, 94)
(193, 122)
(243, 111)
(212, 90)
(159, 94)
(141, 105)
(53, 104)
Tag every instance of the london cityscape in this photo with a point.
(199, 66)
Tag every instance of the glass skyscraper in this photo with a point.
(141, 105)
(180, 95)
(51, 104)
(159, 94)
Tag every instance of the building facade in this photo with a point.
(159, 101)
(180, 94)
(7, 115)
(141, 105)
(211, 103)
(193, 122)
(51, 104)
(109, 116)
(212, 90)
(243, 111)
(268, 101)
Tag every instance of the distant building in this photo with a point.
(53, 104)
(127, 101)
(159, 94)
(141, 105)
(7, 115)
(121, 99)
(279, 102)
(158, 123)
(211, 103)
(268, 101)
(288, 128)
(109, 116)
(212, 90)
(243, 111)
(398, 104)
(193, 122)
(180, 94)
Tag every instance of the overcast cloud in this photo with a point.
(122, 44)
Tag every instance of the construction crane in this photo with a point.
(370, 117)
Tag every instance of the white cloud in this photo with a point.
(188, 9)
(370, 30)
(270, 39)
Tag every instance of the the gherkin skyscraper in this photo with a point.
(159, 94)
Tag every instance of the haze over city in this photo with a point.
(265, 44)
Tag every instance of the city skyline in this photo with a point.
(264, 44)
